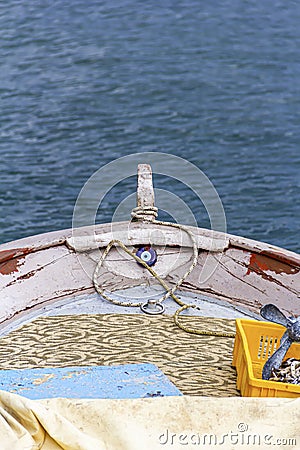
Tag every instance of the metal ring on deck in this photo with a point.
(152, 307)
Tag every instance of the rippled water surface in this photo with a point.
(84, 82)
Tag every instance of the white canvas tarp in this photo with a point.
(149, 423)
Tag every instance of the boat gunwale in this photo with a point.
(43, 241)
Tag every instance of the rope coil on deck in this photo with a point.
(149, 214)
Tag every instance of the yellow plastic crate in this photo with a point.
(255, 342)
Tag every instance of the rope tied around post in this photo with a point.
(146, 212)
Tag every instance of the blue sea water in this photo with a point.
(85, 82)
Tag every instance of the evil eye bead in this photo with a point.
(147, 254)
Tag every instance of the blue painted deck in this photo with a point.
(124, 381)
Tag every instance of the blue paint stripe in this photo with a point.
(123, 381)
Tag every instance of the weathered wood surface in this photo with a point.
(151, 234)
(121, 381)
(247, 273)
(145, 191)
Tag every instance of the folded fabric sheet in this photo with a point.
(148, 423)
